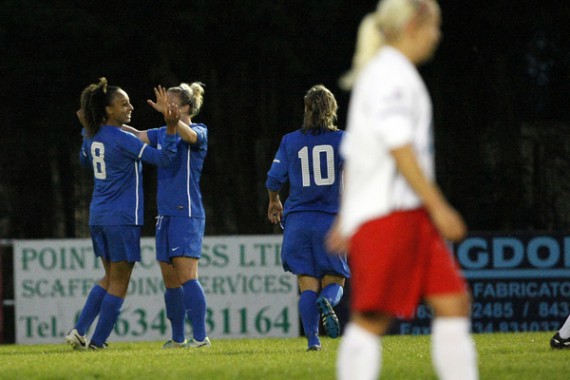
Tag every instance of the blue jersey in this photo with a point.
(312, 165)
(178, 192)
(115, 157)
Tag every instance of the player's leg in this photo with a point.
(120, 275)
(329, 297)
(332, 268)
(453, 351)
(308, 287)
(194, 298)
(297, 258)
(174, 305)
(185, 240)
(332, 288)
(360, 351)
(124, 250)
(77, 337)
(562, 338)
(383, 266)
(174, 294)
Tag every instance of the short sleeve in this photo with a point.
(278, 174)
(202, 133)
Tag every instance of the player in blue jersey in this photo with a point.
(116, 211)
(181, 221)
(310, 161)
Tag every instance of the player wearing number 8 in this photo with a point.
(116, 211)
(309, 160)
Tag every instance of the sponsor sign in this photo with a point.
(247, 292)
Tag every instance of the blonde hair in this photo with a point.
(381, 27)
(320, 109)
(191, 94)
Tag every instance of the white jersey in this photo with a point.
(389, 108)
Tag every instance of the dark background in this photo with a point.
(500, 83)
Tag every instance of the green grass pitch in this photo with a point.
(501, 356)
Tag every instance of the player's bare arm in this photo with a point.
(141, 135)
(275, 208)
(186, 133)
(447, 220)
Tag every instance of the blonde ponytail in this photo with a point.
(368, 41)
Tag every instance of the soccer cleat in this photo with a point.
(76, 340)
(173, 344)
(559, 343)
(330, 320)
(193, 343)
(93, 347)
(314, 347)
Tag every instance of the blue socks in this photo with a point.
(175, 312)
(195, 304)
(310, 316)
(333, 293)
(110, 310)
(91, 309)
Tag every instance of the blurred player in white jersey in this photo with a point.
(116, 211)
(181, 217)
(393, 215)
(309, 160)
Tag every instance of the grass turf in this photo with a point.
(501, 356)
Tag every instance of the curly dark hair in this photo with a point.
(94, 99)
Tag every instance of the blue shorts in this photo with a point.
(179, 236)
(117, 243)
(303, 251)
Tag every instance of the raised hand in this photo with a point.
(161, 99)
(81, 116)
(171, 117)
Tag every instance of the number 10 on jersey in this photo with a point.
(318, 153)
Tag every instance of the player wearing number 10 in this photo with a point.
(116, 212)
(308, 159)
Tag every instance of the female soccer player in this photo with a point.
(181, 221)
(310, 161)
(116, 211)
(393, 215)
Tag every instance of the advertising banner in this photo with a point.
(247, 292)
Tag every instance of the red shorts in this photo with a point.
(396, 261)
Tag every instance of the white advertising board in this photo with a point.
(247, 292)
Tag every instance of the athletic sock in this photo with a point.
(310, 316)
(453, 351)
(564, 331)
(110, 310)
(332, 292)
(359, 354)
(91, 309)
(175, 312)
(195, 304)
